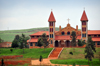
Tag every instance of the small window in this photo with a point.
(31, 44)
(98, 35)
(98, 43)
(94, 43)
(68, 33)
(32, 36)
(51, 42)
(51, 35)
(83, 23)
(51, 29)
(95, 35)
(83, 35)
(89, 35)
(63, 33)
(83, 29)
(36, 44)
(37, 36)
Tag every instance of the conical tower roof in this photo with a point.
(51, 17)
(84, 17)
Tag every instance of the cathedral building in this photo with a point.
(62, 37)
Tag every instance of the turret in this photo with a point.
(84, 27)
(51, 21)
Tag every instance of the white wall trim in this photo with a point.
(51, 52)
(60, 52)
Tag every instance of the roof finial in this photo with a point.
(84, 8)
(51, 9)
(68, 20)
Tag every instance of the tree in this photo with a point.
(14, 44)
(73, 42)
(40, 59)
(73, 36)
(45, 41)
(89, 49)
(81, 43)
(40, 42)
(16, 37)
(1, 40)
(23, 41)
(2, 62)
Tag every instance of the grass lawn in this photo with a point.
(95, 62)
(29, 53)
(78, 54)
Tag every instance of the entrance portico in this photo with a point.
(62, 43)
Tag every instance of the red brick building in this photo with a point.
(62, 38)
(5, 44)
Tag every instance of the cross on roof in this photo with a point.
(84, 8)
(68, 20)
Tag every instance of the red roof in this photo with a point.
(34, 40)
(65, 37)
(93, 32)
(96, 38)
(40, 33)
(84, 17)
(51, 18)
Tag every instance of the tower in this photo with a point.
(52, 21)
(84, 27)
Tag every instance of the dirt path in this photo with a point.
(46, 62)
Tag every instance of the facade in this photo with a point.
(5, 44)
(62, 38)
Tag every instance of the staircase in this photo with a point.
(55, 53)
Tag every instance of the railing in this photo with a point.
(60, 52)
(51, 52)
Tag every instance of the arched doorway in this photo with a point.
(56, 43)
(67, 43)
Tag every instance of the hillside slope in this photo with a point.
(8, 35)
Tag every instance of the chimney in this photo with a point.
(77, 27)
(59, 28)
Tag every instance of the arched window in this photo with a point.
(68, 33)
(63, 33)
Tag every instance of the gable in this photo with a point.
(68, 28)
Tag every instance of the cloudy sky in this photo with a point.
(25, 14)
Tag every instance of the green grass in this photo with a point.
(95, 62)
(29, 53)
(78, 54)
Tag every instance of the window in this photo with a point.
(37, 36)
(83, 29)
(83, 23)
(51, 23)
(98, 35)
(31, 44)
(32, 36)
(95, 35)
(83, 35)
(51, 29)
(36, 44)
(51, 41)
(98, 43)
(89, 35)
(94, 43)
(51, 35)
(63, 33)
(68, 33)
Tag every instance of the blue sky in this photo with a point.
(25, 14)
